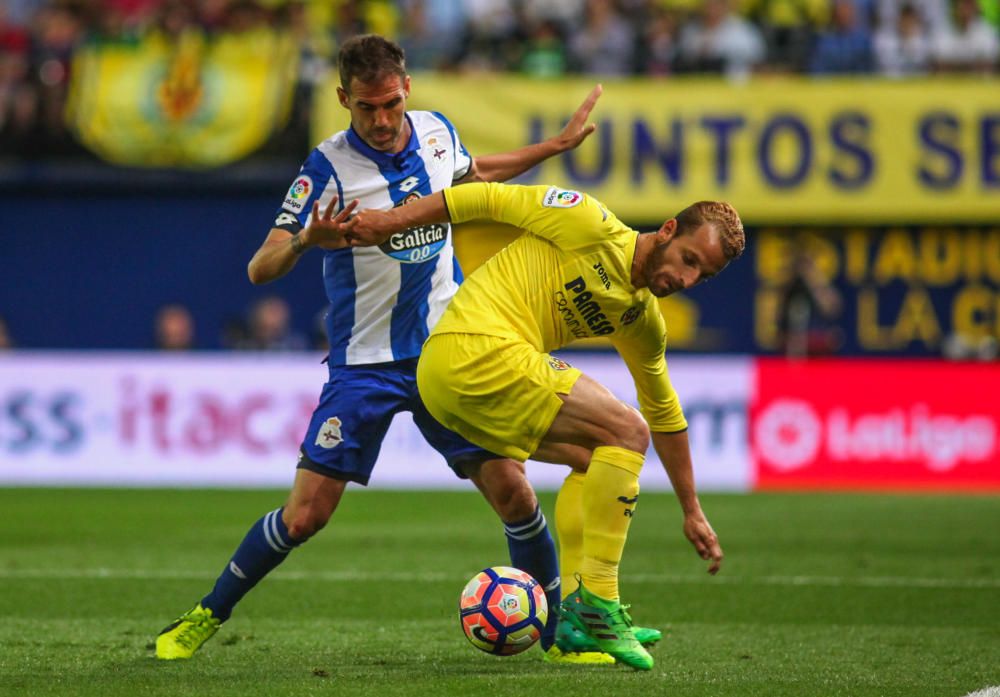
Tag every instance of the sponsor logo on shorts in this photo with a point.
(298, 194)
(329, 435)
(561, 198)
(558, 364)
(631, 315)
(417, 243)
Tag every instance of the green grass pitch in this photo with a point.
(820, 595)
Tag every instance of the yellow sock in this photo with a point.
(569, 529)
(610, 490)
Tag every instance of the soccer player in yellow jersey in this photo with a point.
(486, 373)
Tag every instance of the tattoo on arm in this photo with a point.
(297, 246)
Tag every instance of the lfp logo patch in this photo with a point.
(561, 198)
(298, 194)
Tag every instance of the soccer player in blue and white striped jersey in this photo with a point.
(383, 303)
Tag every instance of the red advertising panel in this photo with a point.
(874, 424)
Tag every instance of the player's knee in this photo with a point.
(306, 521)
(517, 503)
(630, 430)
(508, 490)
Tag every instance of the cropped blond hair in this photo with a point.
(725, 219)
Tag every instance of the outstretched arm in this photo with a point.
(371, 227)
(675, 454)
(281, 249)
(504, 166)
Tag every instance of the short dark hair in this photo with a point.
(725, 219)
(369, 57)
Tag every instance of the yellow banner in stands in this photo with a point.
(781, 150)
(190, 102)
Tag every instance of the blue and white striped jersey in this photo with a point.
(383, 300)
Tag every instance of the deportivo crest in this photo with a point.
(561, 198)
(631, 315)
(298, 194)
(329, 435)
(558, 364)
(417, 243)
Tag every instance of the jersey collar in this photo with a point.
(379, 157)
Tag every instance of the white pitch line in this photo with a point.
(860, 581)
(394, 576)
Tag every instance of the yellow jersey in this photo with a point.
(568, 277)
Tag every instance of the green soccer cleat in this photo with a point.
(608, 624)
(647, 636)
(577, 658)
(186, 634)
(571, 639)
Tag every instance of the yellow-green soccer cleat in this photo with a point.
(571, 639)
(577, 658)
(608, 624)
(186, 634)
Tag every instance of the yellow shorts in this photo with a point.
(498, 393)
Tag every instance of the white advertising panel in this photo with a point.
(236, 420)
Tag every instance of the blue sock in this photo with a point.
(532, 550)
(266, 545)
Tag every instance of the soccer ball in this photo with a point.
(503, 610)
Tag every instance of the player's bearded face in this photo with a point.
(378, 111)
(684, 260)
(660, 274)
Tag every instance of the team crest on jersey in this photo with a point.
(416, 244)
(561, 198)
(631, 315)
(329, 435)
(298, 194)
(558, 364)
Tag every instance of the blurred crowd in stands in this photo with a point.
(266, 326)
(538, 38)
